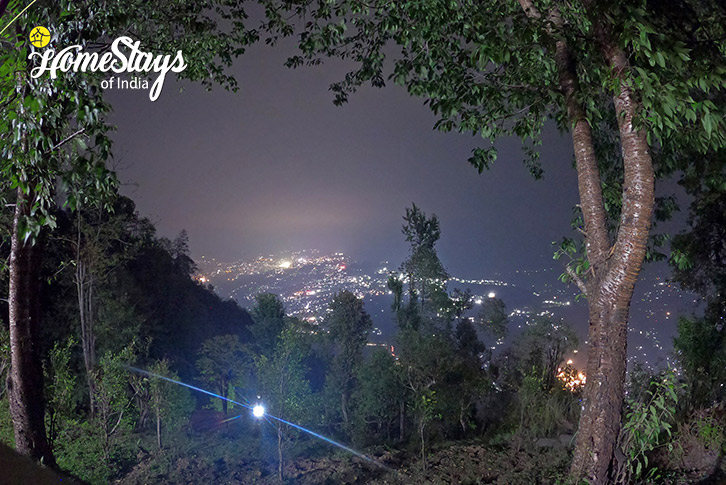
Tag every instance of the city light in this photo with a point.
(308, 284)
(571, 378)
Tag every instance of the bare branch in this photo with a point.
(66, 140)
(576, 278)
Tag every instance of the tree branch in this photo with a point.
(113, 430)
(578, 281)
(639, 176)
(66, 140)
(597, 240)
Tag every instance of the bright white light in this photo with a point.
(258, 411)
(492, 294)
(285, 264)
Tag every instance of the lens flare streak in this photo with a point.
(266, 415)
(332, 442)
(194, 388)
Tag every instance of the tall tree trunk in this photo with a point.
(84, 290)
(223, 392)
(615, 269)
(344, 410)
(422, 436)
(25, 380)
(158, 424)
(279, 453)
(610, 299)
(462, 412)
(402, 421)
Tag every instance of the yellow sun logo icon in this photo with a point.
(39, 36)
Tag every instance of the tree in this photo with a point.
(542, 347)
(426, 275)
(468, 383)
(222, 361)
(427, 360)
(406, 313)
(284, 389)
(54, 130)
(170, 403)
(112, 398)
(700, 347)
(699, 264)
(103, 239)
(62, 398)
(349, 325)
(268, 315)
(377, 397)
(493, 317)
(154, 291)
(461, 302)
(624, 79)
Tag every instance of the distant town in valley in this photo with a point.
(306, 281)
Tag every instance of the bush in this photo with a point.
(79, 450)
(546, 413)
(7, 435)
(649, 419)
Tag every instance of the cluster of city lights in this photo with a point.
(307, 280)
(570, 377)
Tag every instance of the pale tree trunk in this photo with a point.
(279, 453)
(344, 410)
(84, 290)
(613, 269)
(462, 411)
(612, 292)
(422, 436)
(223, 387)
(158, 425)
(25, 380)
(402, 420)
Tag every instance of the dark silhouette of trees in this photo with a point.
(348, 324)
(269, 317)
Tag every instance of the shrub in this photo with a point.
(647, 426)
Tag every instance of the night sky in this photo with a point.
(278, 167)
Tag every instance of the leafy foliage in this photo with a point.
(170, 403)
(222, 363)
(62, 391)
(493, 317)
(284, 387)
(348, 326)
(269, 317)
(377, 398)
(541, 348)
(648, 425)
(701, 349)
(423, 269)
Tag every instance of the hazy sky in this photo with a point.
(278, 167)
